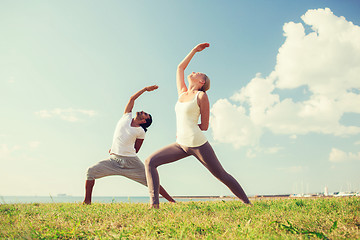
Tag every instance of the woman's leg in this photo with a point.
(134, 169)
(165, 155)
(164, 193)
(206, 155)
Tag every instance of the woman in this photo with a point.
(192, 103)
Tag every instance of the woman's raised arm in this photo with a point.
(180, 80)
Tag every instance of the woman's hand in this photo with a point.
(201, 47)
(151, 88)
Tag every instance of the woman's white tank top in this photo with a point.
(188, 132)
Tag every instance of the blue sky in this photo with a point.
(285, 92)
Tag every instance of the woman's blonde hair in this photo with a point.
(206, 85)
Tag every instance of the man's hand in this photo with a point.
(131, 102)
(151, 88)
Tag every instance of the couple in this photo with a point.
(130, 133)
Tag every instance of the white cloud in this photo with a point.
(15, 152)
(273, 150)
(6, 151)
(326, 61)
(337, 155)
(69, 114)
(239, 131)
(321, 57)
(250, 153)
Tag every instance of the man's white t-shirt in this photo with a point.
(125, 136)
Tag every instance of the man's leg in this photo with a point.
(89, 184)
(101, 169)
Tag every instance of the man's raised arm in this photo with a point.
(132, 99)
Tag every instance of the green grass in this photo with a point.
(321, 218)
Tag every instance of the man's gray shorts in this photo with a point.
(130, 167)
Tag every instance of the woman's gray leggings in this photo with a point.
(205, 154)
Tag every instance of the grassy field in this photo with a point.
(320, 218)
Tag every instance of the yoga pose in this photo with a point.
(192, 103)
(128, 138)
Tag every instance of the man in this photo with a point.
(127, 140)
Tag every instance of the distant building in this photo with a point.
(326, 191)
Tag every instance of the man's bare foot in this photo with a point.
(155, 206)
(86, 203)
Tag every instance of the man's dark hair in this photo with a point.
(147, 124)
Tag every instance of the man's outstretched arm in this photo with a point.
(132, 99)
